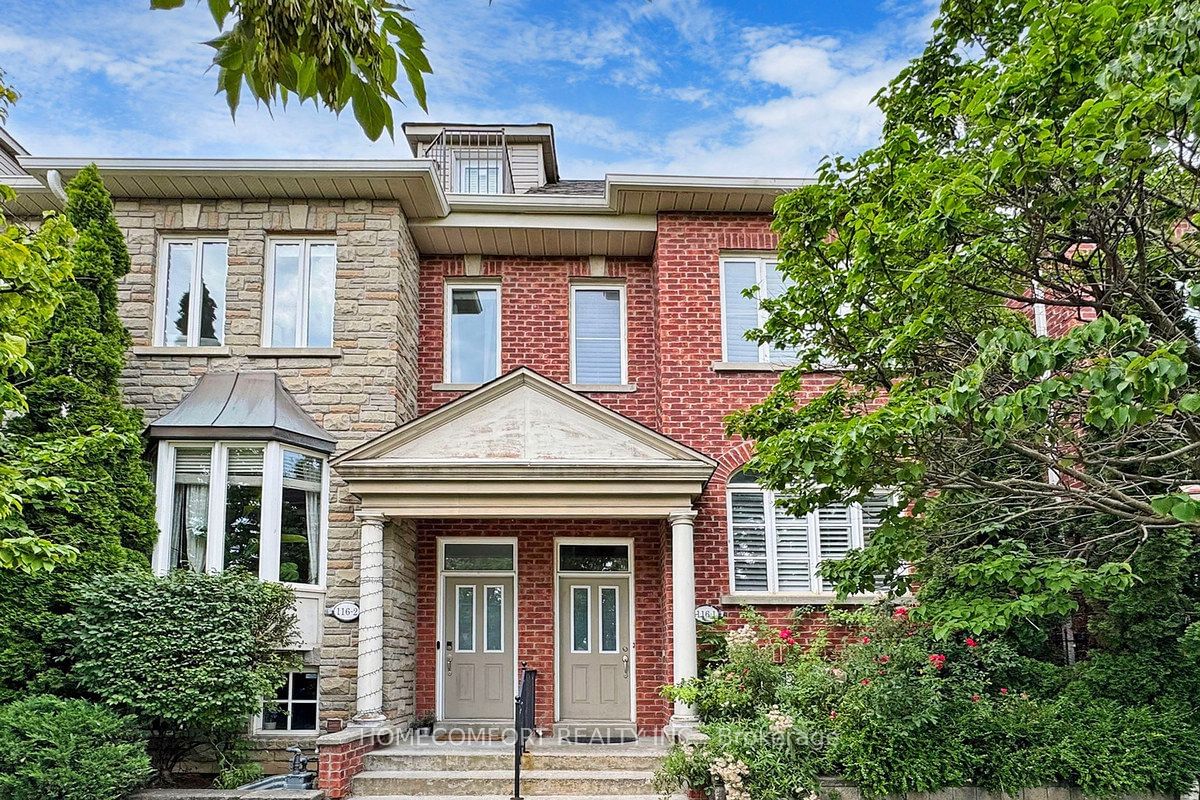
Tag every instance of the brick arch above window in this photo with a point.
(732, 460)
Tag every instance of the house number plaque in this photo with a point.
(345, 611)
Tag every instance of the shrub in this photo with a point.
(54, 749)
(896, 710)
(189, 655)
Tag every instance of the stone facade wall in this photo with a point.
(365, 385)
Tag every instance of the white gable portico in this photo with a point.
(523, 446)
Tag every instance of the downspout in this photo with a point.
(54, 182)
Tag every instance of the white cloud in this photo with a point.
(677, 86)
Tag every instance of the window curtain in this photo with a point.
(312, 521)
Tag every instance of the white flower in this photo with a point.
(779, 722)
(742, 637)
(731, 773)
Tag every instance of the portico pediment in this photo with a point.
(525, 441)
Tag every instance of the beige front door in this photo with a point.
(477, 648)
(595, 648)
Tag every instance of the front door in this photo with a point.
(477, 648)
(595, 648)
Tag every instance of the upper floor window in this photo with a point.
(758, 276)
(191, 292)
(255, 505)
(478, 173)
(598, 350)
(472, 333)
(298, 306)
(774, 551)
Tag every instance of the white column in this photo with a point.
(368, 708)
(683, 609)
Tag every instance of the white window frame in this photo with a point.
(259, 730)
(458, 631)
(196, 294)
(600, 590)
(574, 644)
(816, 587)
(447, 294)
(484, 159)
(268, 304)
(624, 330)
(761, 260)
(272, 498)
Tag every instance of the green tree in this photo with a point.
(336, 53)
(93, 492)
(189, 655)
(1039, 156)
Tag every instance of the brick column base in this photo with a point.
(341, 756)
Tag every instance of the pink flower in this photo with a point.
(1003, 691)
(865, 681)
(974, 698)
(833, 715)
(866, 640)
(971, 642)
(937, 660)
(883, 659)
(900, 613)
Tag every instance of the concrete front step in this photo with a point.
(609, 758)
(474, 783)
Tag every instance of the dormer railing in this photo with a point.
(472, 161)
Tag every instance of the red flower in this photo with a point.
(937, 660)
(900, 613)
(883, 659)
(786, 633)
(974, 698)
(1003, 691)
(971, 642)
(866, 640)
(865, 681)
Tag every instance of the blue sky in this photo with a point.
(714, 87)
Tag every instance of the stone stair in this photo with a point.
(484, 771)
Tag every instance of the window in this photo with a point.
(259, 506)
(294, 707)
(598, 334)
(472, 339)
(191, 299)
(773, 551)
(477, 557)
(478, 172)
(739, 313)
(593, 558)
(298, 306)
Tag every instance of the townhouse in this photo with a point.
(470, 411)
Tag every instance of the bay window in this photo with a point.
(258, 506)
(773, 551)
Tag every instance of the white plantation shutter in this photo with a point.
(793, 556)
(871, 510)
(835, 536)
(597, 322)
(741, 313)
(749, 529)
(775, 285)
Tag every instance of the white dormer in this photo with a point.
(487, 159)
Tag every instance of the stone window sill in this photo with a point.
(182, 352)
(746, 366)
(605, 388)
(294, 352)
(799, 599)
(455, 387)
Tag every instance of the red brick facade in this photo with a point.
(674, 341)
